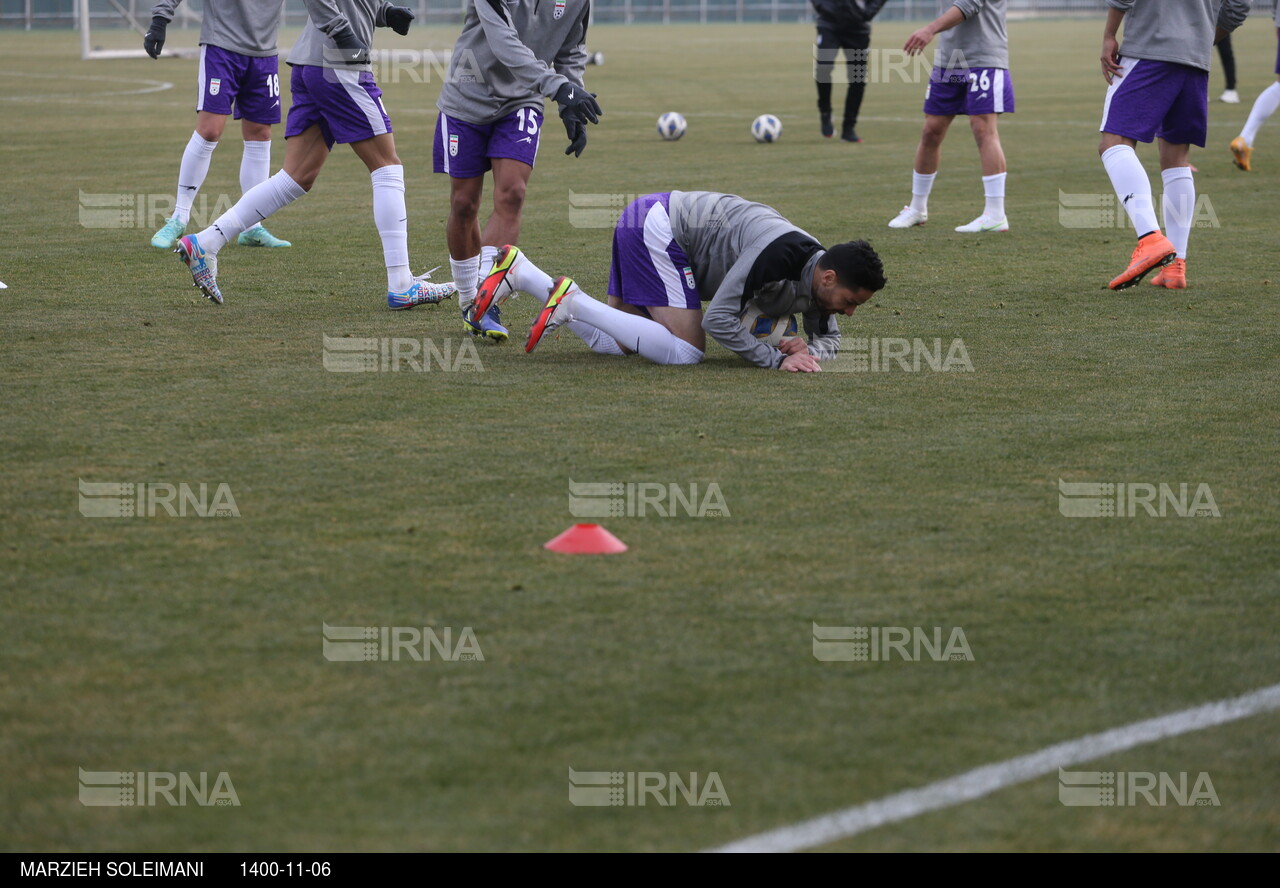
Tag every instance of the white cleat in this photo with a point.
(909, 218)
(985, 223)
(1230, 96)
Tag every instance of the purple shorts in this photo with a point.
(649, 267)
(1162, 99)
(346, 104)
(968, 91)
(1278, 50)
(248, 84)
(464, 150)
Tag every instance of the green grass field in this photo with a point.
(889, 499)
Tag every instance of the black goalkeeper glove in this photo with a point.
(577, 131)
(153, 40)
(398, 19)
(576, 102)
(350, 50)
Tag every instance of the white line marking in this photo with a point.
(151, 86)
(985, 780)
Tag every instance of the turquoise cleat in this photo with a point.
(257, 236)
(490, 324)
(167, 237)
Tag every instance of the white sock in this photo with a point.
(993, 188)
(652, 340)
(258, 203)
(1263, 107)
(255, 165)
(465, 272)
(195, 166)
(1132, 186)
(921, 185)
(597, 340)
(487, 257)
(1179, 207)
(392, 219)
(529, 278)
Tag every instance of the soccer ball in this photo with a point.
(766, 128)
(769, 330)
(671, 125)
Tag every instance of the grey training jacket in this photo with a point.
(512, 53)
(245, 26)
(1179, 31)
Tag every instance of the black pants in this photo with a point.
(829, 44)
(1228, 60)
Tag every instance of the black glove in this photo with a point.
(577, 131)
(153, 40)
(350, 50)
(398, 19)
(576, 102)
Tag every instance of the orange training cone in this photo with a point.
(586, 539)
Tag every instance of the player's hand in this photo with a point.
(801, 363)
(576, 102)
(1111, 58)
(794, 345)
(577, 131)
(398, 19)
(918, 41)
(350, 50)
(153, 40)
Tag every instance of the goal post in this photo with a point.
(119, 31)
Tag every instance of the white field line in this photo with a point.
(150, 86)
(985, 780)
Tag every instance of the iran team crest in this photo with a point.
(453, 146)
(688, 278)
(215, 85)
(559, 10)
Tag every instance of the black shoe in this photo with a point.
(828, 128)
(848, 134)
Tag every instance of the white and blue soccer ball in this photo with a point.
(671, 125)
(766, 128)
(769, 329)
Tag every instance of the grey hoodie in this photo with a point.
(724, 237)
(1179, 31)
(980, 41)
(245, 26)
(315, 47)
(512, 53)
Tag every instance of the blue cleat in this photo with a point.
(422, 292)
(257, 236)
(490, 324)
(167, 237)
(203, 267)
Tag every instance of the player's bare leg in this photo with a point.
(991, 153)
(928, 156)
(1179, 211)
(1133, 190)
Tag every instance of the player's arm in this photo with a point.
(721, 323)
(397, 18)
(945, 22)
(872, 8)
(824, 337)
(161, 15)
(1110, 44)
(571, 63)
(1230, 16)
(508, 49)
(333, 23)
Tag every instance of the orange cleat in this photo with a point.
(1152, 251)
(1173, 276)
(1241, 153)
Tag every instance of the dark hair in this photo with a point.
(856, 265)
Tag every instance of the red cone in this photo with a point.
(586, 539)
